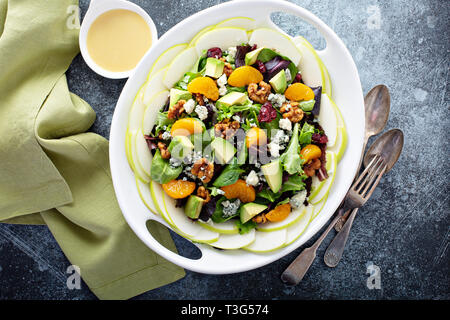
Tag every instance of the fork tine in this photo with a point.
(378, 172)
(375, 183)
(370, 174)
(364, 173)
(365, 177)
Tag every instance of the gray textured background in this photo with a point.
(404, 229)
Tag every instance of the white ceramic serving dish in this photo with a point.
(347, 94)
(98, 7)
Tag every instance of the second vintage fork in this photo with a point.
(359, 193)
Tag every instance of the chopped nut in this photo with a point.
(176, 110)
(202, 192)
(259, 93)
(199, 99)
(203, 169)
(226, 128)
(292, 111)
(165, 154)
(260, 218)
(227, 69)
(310, 168)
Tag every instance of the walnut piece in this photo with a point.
(227, 69)
(165, 154)
(259, 93)
(202, 192)
(226, 128)
(310, 168)
(260, 218)
(203, 169)
(292, 111)
(199, 99)
(176, 110)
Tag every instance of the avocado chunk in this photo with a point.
(252, 56)
(249, 210)
(193, 207)
(273, 174)
(177, 95)
(180, 147)
(223, 150)
(233, 98)
(278, 82)
(214, 67)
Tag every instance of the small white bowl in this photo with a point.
(98, 7)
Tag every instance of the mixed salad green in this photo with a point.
(239, 139)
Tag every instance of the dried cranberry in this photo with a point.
(298, 78)
(319, 138)
(214, 53)
(254, 47)
(267, 113)
(260, 66)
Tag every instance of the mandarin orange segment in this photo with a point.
(310, 152)
(240, 190)
(255, 136)
(299, 92)
(186, 127)
(280, 213)
(206, 86)
(178, 189)
(244, 75)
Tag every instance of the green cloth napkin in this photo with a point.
(52, 171)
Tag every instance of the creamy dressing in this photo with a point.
(118, 39)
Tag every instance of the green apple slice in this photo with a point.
(200, 33)
(319, 193)
(151, 112)
(238, 22)
(227, 227)
(141, 174)
(136, 111)
(326, 84)
(319, 206)
(309, 66)
(292, 218)
(221, 37)
(269, 38)
(157, 194)
(235, 241)
(181, 64)
(341, 139)
(341, 143)
(186, 227)
(128, 149)
(146, 195)
(165, 58)
(327, 87)
(296, 230)
(154, 85)
(328, 119)
(144, 157)
(267, 241)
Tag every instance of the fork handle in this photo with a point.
(298, 268)
(334, 252)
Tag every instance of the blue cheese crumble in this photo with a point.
(230, 208)
(285, 124)
(252, 178)
(189, 106)
(202, 112)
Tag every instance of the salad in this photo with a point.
(234, 139)
(238, 139)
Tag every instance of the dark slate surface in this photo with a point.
(404, 229)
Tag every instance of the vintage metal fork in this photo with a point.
(359, 193)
